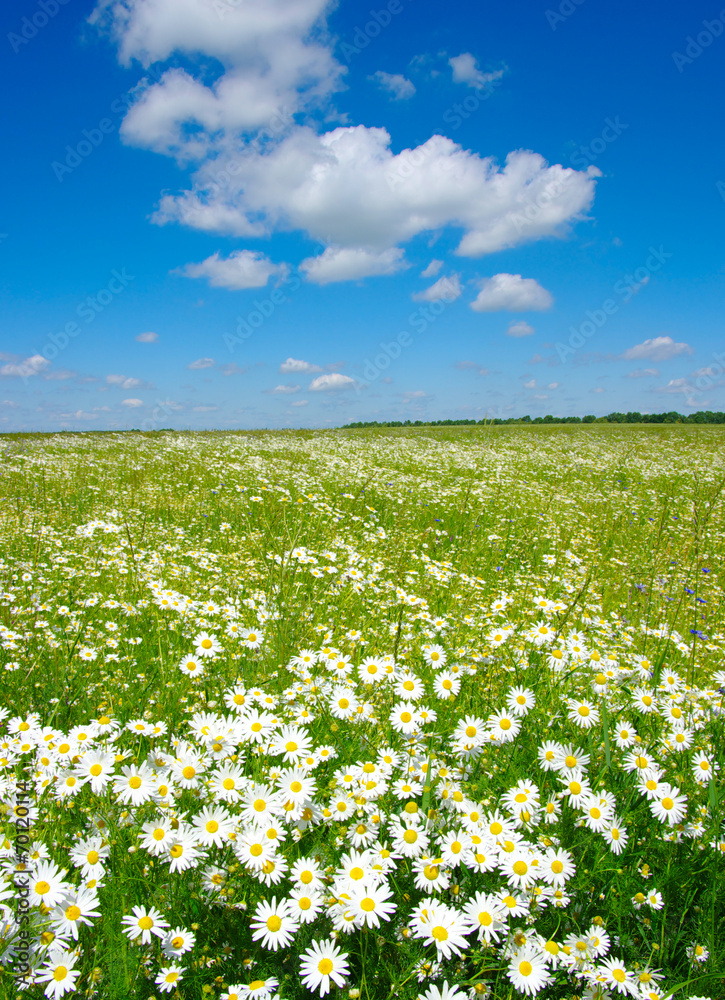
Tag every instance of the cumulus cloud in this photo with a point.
(656, 349)
(432, 270)
(296, 365)
(398, 86)
(520, 329)
(241, 269)
(531, 384)
(201, 363)
(512, 293)
(643, 373)
(465, 70)
(300, 402)
(465, 366)
(348, 264)
(230, 115)
(284, 389)
(147, 338)
(33, 365)
(124, 382)
(331, 381)
(445, 289)
(132, 403)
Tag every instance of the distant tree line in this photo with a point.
(633, 417)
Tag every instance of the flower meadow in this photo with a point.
(366, 714)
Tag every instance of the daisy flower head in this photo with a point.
(74, 911)
(274, 924)
(321, 964)
(486, 916)
(47, 885)
(435, 656)
(583, 714)
(444, 992)
(59, 973)
(442, 926)
(617, 976)
(446, 685)
(206, 645)
(671, 807)
(169, 978)
(503, 726)
(616, 835)
(142, 923)
(370, 903)
(520, 700)
(528, 971)
(177, 942)
(192, 666)
(258, 989)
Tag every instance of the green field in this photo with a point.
(393, 713)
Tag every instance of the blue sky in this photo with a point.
(278, 213)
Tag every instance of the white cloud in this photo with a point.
(204, 409)
(147, 338)
(540, 395)
(10, 403)
(656, 349)
(465, 70)
(347, 189)
(271, 68)
(445, 289)
(473, 366)
(249, 69)
(415, 394)
(132, 403)
(512, 293)
(241, 269)
(282, 389)
(33, 365)
(598, 389)
(123, 382)
(643, 373)
(531, 384)
(553, 385)
(201, 363)
(349, 264)
(295, 365)
(536, 360)
(330, 382)
(301, 402)
(432, 270)
(398, 86)
(232, 369)
(520, 329)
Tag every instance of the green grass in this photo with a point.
(356, 544)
